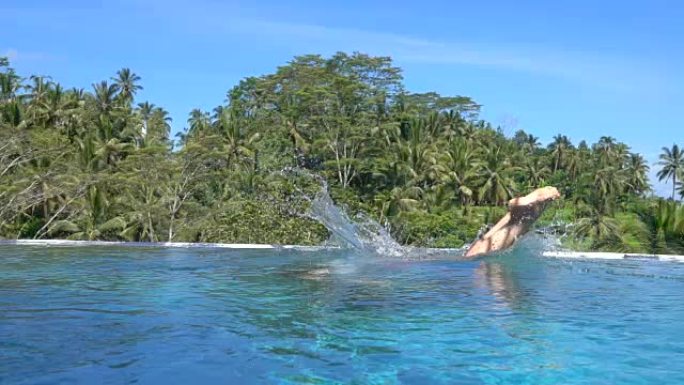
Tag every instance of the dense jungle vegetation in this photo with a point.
(100, 164)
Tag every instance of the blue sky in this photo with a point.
(581, 68)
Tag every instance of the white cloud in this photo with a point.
(15, 55)
(594, 69)
(11, 54)
(587, 68)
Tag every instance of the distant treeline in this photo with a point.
(99, 164)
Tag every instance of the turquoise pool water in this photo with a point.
(88, 315)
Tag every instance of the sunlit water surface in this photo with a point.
(87, 315)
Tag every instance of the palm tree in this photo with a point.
(10, 84)
(536, 172)
(236, 144)
(59, 110)
(460, 164)
(596, 224)
(93, 223)
(126, 81)
(672, 162)
(468, 131)
(527, 142)
(605, 149)
(95, 154)
(560, 146)
(111, 151)
(453, 123)
(665, 220)
(161, 125)
(437, 198)
(415, 154)
(12, 114)
(199, 122)
(609, 183)
(145, 111)
(497, 184)
(397, 200)
(638, 174)
(531, 143)
(141, 206)
(104, 96)
(38, 92)
(39, 88)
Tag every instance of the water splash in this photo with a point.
(361, 233)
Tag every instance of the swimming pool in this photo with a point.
(176, 316)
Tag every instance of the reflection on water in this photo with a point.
(500, 281)
(162, 316)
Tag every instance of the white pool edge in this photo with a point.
(612, 256)
(240, 246)
(257, 246)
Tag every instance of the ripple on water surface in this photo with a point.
(175, 316)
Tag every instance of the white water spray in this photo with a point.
(361, 233)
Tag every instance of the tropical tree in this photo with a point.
(104, 97)
(672, 165)
(497, 184)
(559, 148)
(460, 169)
(536, 172)
(637, 174)
(237, 143)
(127, 84)
(91, 221)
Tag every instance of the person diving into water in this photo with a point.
(522, 213)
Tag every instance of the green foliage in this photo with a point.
(254, 221)
(448, 229)
(100, 164)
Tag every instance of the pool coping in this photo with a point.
(257, 246)
(240, 246)
(613, 256)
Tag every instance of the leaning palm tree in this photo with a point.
(672, 162)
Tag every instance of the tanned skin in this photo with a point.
(522, 213)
